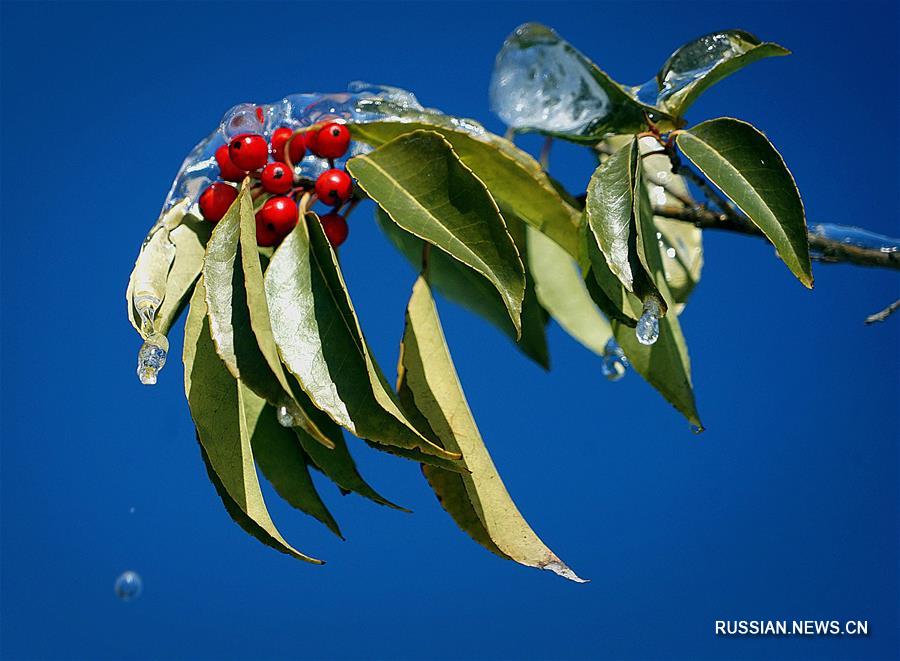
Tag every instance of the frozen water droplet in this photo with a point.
(242, 118)
(128, 586)
(647, 329)
(614, 364)
(697, 429)
(541, 82)
(285, 418)
(152, 358)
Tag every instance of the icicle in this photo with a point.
(614, 364)
(647, 329)
(152, 357)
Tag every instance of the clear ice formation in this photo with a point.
(855, 236)
(128, 586)
(541, 82)
(285, 419)
(647, 329)
(614, 363)
(359, 104)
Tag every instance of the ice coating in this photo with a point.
(855, 236)
(692, 62)
(361, 103)
(647, 329)
(541, 82)
(614, 363)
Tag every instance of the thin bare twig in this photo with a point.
(883, 314)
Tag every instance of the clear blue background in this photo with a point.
(786, 508)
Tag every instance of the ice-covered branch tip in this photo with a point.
(827, 243)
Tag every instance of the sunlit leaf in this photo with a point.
(321, 343)
(745, 166)
(428, 191)
(477, 500)
(217, 402)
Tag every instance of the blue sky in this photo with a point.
(787, 507)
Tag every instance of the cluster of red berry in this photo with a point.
(248, 154)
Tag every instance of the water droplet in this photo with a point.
(647, 329)
(614, 363)
(152, 358)
(131, 510)
(698, 429)
(128, 586)
(285, 419)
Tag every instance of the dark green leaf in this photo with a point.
(424, 187)
(701, 63)
(477, 500)
(514, 179)
(321, 343)
(745, 166)
(217, 402)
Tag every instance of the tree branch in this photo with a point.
(883, 314)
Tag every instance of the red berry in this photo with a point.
(228, 170)
(309, 139)
(297, 148)
(336, 228)
(275, 220)
(334, 186)
(215, 201)
(332, 140)
(277, 178)
(249, 151)
(280, 136)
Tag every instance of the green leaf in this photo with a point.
(337, 463)
(745, 166)
(470, 289)
(536, 65)
(239, 314)
(174, 279)
(321, 343)
(561, 291)
(612, 214)
(283, 461)
(701, 63)
(217, 402)
(425, 188)
(514, 179)
(477, 500)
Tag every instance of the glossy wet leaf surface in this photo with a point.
(744, 165)
(477, 500)
(428, 191)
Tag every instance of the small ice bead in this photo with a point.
(128, 586)
(614, 363)
(152, 358)
(647, 329)
(242, 118)
(285, 419)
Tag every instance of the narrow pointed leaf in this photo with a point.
(703, 62)
(561, 291)
(610, 214)
(239, 315)
(745, 166)
(514, 179)
(321, 343)
(283, 461)
(470, 289)
(217, 404)
(477, 500)
(427, 190)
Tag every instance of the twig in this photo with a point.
(883, 314)
(831, 250)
